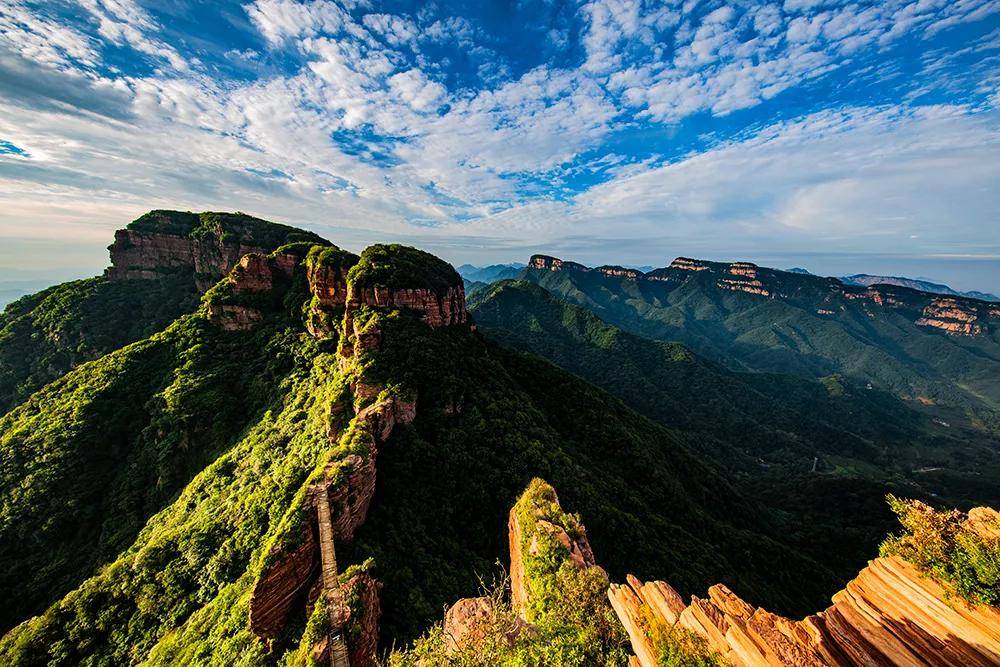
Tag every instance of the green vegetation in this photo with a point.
(570, 618)
(142, 494)
(763, 431)
(676, 646)
(788, 335)
(229, 227)
(578, 629)
(44, 335)
(398, 267)
(944, 546)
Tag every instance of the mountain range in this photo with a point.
(245, 444)
(923, 285)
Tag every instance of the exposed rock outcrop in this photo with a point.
(542, 538)
(327, 270)
(688, 264)
(437, 309)
(620, 272)
(956, 315)
(239, 301)
(742, 277)
(283, 586)
(467, 621)
(953, 316)
(888, 615)
(548, 263)
(208, 245)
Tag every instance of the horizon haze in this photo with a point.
(840, 137)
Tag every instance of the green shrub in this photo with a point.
(941, 545)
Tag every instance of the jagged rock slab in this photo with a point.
(888, 615)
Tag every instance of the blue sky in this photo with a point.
(839, 136)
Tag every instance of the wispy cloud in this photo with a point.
(627, 118)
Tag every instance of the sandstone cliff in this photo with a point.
(349, 296)
(207, 245)
(254, 285)
(889, 614)
(955, 315)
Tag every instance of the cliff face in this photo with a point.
(888, 615)
(208, 245)
(240, 300)
(346, 292)
(437, 309)
(826, 296)
(327, 270)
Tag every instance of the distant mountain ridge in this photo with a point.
(491, 273)
(954, 314)
(940, 351)
(867, 280)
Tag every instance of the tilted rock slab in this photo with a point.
(888, 615)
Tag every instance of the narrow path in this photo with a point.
(331, 583)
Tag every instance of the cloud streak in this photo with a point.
(627, 120)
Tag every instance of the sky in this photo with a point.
(842, 137)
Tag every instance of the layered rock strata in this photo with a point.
(208, 245)
(889, 614)
(951, 314)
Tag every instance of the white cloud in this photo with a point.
(43, 40)
(413, 87)
(369, 136)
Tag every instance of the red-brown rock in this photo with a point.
(888, 615)
(285, 584)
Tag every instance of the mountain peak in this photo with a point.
(207, 245)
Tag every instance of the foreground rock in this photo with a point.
(543, 540)
(888, 615)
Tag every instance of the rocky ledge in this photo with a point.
(951, 314)
(888, 615)
(206, 245)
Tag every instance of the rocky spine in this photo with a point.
(889, 614)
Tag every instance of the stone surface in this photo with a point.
(283, 586)
(888, 615)
(467, 621)
(327, 277)
(578, 548)
(365, 611)
(953, 316)
(233, 308)
(146, 255)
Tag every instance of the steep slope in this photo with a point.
(90, 457)
(160, 264)
(825, 453)
(374, 420)
(935, 349)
